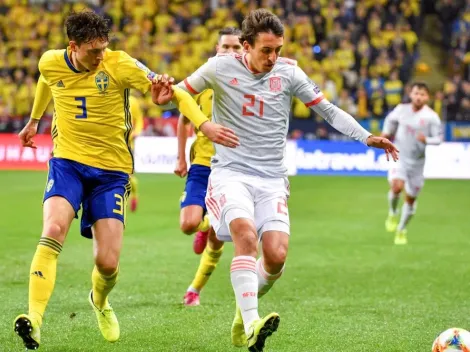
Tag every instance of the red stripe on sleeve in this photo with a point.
(314, 102)
(191, 89)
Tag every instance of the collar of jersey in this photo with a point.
(68, 62)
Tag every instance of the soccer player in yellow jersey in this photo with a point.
(137, 127)
(91, 159)
(193, 207)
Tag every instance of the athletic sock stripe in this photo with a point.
(51, 240)
(51, 244)
(243, 261)
(234, 267)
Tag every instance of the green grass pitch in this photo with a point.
(346, 286)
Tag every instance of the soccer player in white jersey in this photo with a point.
(248, 187)
(413, 126)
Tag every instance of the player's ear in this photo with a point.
(217, 46)
(246, 46)
(73, 45)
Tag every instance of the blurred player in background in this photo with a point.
(137, 128)
(193, 215)
(91, 160)
(413, 126)
(248, 186)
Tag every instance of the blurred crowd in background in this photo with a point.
(362, 53)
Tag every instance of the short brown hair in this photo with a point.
(230, 31)
(86, 26)
(420, 85)
(260, 21)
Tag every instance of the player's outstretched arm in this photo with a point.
(348, 125)
(309, 93)
(42, 98)
(391, 123)
(181, 168)
(218, 134)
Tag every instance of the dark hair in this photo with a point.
(420, 85)
(230, 31)
(85, 26)
(260, 21)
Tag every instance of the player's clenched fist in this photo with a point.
(161, 89)
(385, 144)
(219, 134)
(181, 168)
(28, 132)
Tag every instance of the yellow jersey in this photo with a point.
(202, 148)
(92, 122)
(137, 119)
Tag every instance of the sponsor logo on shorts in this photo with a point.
(49, 185)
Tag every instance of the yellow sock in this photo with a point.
(134, 185)
(102, 286)
(42, 278)
(209, 260)
(204, 225)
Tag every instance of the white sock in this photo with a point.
(393, 202)
(265, 279)
(407, 212)
(245, 285)
(192, 289)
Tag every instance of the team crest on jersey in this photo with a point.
(49, 185)
(275, 84)
(102, 81)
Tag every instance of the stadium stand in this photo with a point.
(361, 53)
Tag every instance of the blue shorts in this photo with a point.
(196, 186)
(102, 194)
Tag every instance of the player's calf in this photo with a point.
(270, 267)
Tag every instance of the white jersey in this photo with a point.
(257, 107)
(405, 124)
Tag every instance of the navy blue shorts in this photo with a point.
(196, 186)
(102, 194)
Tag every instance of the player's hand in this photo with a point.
(161, 89)
(219, 134)
(421, 137)
(385, 144)
(181, 168)
(28, 132)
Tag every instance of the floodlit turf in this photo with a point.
(346, 286)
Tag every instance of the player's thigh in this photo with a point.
(107, 243)
(229, 197)
(397, 178)
(271, 209)
(213, 241)
(414, 184)
(192, 201)
(105, 199)
(62, 198)
(190, 217)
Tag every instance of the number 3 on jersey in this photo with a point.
(82, 107)
(250, 107)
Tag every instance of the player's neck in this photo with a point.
(75, 62)
(249, 63)
(417, 108)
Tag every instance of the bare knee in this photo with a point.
(275, 247)
(274, 260)
(397, 187)
(106, 265)
(55, 230)
(189, 225)
(245, 237)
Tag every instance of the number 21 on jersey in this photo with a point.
(253, 105)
